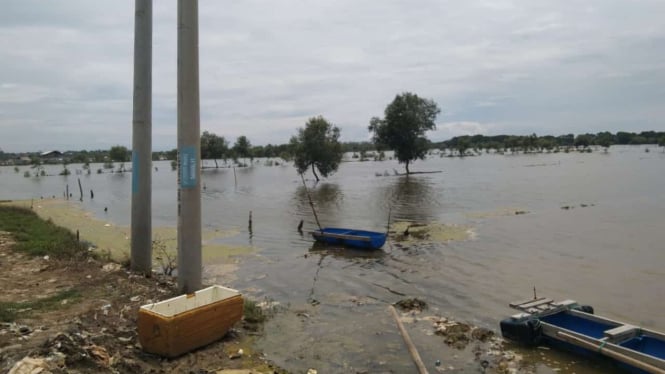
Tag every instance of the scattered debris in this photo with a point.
(237, 355)
(111, 267)
(29, 365)
(413, 304)
(95, 332)
(455, 334)
(482, 334)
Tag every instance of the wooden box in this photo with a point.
(175, 326)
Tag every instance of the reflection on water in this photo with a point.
(614, 228)
(348, 253)
(351, 255)
(327, 198)
(409, 198)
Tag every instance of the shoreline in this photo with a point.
(78, 314)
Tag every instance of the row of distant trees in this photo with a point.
(533, 143)
(402, 129)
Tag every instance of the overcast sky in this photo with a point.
(493, 66)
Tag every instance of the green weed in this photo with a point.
(39, 237)
(9, 311)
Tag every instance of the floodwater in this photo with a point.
(590, 227)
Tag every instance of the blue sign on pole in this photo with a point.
(188, 172)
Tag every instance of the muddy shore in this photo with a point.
(89, 321)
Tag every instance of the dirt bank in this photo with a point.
(79, 316)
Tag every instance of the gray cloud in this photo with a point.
(494, 66)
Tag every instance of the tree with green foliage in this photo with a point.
(582, 140)
(661, 142)
(463, 144)
(119, 153)
(403, 128)
(243, 148)
(213, 147)
(317, 146)
(604, 139)
(36, 163)
(172, 154)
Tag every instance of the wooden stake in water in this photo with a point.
(310, 202)
(80, 189)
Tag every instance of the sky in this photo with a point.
(493, 67)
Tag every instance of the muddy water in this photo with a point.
(582, 226)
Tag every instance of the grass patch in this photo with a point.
(10, 310)
(253, 313)
(38, 237)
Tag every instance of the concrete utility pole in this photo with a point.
(189, 149)
(141, 256)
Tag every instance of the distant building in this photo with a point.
(51, 157)
(50, 154)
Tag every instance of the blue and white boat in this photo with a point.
(350, 237)
(574, 327)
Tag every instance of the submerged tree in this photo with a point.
(243, 148)
(317, 146)
(119, 153)
(403, 129)
(604, 139)
(213, 147)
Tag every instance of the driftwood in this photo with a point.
(397, 174)
(424, 172)
(409, 344)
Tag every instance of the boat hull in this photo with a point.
(565, 326)
(350, 237)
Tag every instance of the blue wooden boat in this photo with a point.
(350, 237)
(574, 327)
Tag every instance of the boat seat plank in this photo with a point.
(622, 332)
(535, 303)
(518, 304)
(345, 236)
